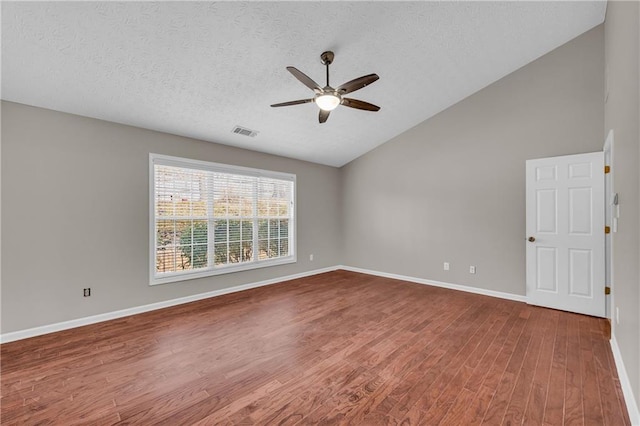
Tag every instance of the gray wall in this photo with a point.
(452, 188)
(75, 214)
(622, 114)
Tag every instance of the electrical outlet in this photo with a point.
(472, 269)
(87, 292)
(446, 266)
(311, 257)
(617, 315)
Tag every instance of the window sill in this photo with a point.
(183, 276)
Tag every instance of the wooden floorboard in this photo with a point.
(335, 348)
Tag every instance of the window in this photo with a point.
(209, 218)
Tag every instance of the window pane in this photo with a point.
(190, 242)
(200, 232)
(200, 256)
(284, 228)
(184, 232)
(233, 195)
(234, 230)
(247, 207)
(273, 208)
(165, 259)
(273, 228)
(219, 208)
(164, 207)
(164, 233)
(263, 250)
(246, 193)
(283, 208)
(199, 208)
(247, 230)
(183, 258)
(180, 191)
(220, 254)
(234, 252)
(273, 248)
(263, 208)
(220, 231)
(263, 229)
(182, 207)
(164, 177)
(247, 251)
(284, 247)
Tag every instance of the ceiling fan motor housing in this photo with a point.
(327, 57)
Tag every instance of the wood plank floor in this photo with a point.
(335, 348)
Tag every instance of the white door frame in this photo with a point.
(611, 218)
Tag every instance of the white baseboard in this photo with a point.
(65, 325)
(629, 399)
(468, 289)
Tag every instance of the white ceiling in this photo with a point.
(198, 69)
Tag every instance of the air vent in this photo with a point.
(244, 131)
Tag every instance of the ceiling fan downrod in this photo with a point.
(327, 58)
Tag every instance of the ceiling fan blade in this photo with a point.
(305, 79)
(302, 101)
(357, 83)
(354, 103)
(324, 115)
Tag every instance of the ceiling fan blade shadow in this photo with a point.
(357, 83)
(301, 101)
(323, 116)
(354, 103)
(305, 79)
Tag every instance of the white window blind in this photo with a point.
(209, 218)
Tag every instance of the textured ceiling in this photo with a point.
(198, 69)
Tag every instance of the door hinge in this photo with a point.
(607, 230)
(607, 169)
(607, 290)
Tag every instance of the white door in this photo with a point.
(565, 233)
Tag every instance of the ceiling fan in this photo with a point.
(327, 98)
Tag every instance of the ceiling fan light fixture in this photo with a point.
(327, 101)
(328, 98)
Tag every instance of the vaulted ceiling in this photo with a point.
(198, 69)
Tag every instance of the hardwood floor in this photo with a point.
(335, 348)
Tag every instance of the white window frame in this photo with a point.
(168, 277)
